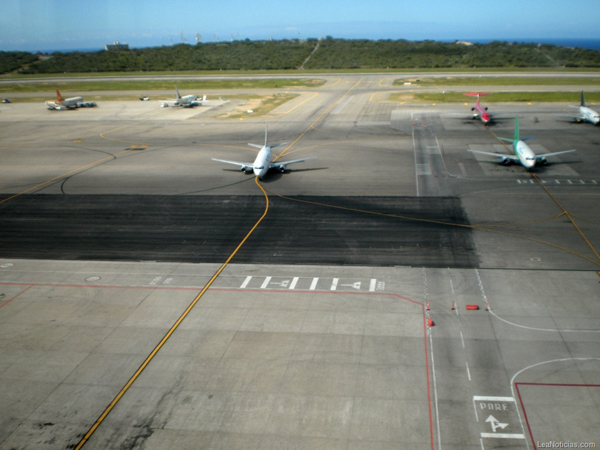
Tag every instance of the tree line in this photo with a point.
(290, 54)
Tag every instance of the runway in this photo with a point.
(316, 333)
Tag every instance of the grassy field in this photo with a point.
(501, 81)
(500, 97)
(152, 85)
(302, 73)
(260, 105)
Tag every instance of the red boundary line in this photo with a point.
(29, 286)
(280, 291)
(543, 384)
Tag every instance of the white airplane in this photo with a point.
(586, 114)
(264, 159)
(522, 153)
(61, 103)
(187, 102)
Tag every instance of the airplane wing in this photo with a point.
(236, 163)
(497, 155)
(545, 155)
(283, 164)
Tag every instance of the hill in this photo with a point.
(313, 54)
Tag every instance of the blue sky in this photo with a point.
(80, 24)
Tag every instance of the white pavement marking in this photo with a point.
(468, 371)
(492, 399)
(313, 285)
(435, 397)
(539, 329)
(462, 339)
(372, 285)
(334, 284)
(412, 129)
(503, 435)
(294, 282)
(512, 380)
(266, 283)
(246, 282)
(502, 399)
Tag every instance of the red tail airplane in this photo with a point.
(480, 112)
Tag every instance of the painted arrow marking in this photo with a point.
(495, 423)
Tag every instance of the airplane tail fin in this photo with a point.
(582, 99)
(59, 97)
(476, 94)
(516, 138)
(178, 94)
(266, 134)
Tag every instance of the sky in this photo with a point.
(43, 25)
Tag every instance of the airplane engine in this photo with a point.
(543, 161)
(243, 169)
(282, 169)
(473, 108)
(486, 108)
(505, 161)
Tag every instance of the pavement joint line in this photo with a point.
(151, 356)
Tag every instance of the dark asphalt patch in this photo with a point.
(207, 229)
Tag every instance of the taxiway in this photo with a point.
(316, 334)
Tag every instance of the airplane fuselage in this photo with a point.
(482, 113)
(69, 103)
(188, 100)
(525, 154)
(589, 115)
(261, 164)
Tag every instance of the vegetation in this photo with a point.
(337, 54)
(154, 85)
(331, 54)
(238, 55)
(11, 61)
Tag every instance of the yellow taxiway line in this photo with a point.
(138, 372)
